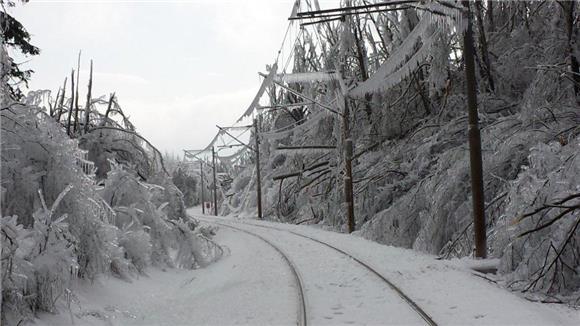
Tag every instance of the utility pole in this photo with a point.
(256, 150)
(258, 179)
(214, 182)
(476, 165)
(342, 13)
(202, 190)
(347, 141)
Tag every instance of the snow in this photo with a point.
(236, 290)
(338, 290)
(448, 290)
(253, 285)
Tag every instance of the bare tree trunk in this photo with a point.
(53, 108)
(489, 16)
(360, 50)
(483, 49)
(88, 105)
(111, 98)
(569, 7)
(420, 84)
(72, 99)
(361, 54)
(76, 125)
(61, 103)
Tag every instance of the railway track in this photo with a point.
(302, 319)
(404, 297)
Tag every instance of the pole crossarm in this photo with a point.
(194, 156)
(238, 127)
(276, 106)
(347, 10)
(236, 139)
(229, 146)
(193, 153)
(340, 16)
(306, 147)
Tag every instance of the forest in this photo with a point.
(82, 194)
(391, 82)
(365, 130)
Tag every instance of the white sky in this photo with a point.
(177, 67)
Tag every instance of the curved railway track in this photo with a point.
(412, 304)
(302, 318)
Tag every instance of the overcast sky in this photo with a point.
(177, 67)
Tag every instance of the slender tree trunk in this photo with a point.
(483, 49)
(76, 125)
(420, 84)
(489, 16)
(61, 103)
(569, 13)
(53, 108)
(360, 50)
(111, 98)
(72, 99)
(88, 105)
(361, 54)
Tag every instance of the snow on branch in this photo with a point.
(439, 17)
(306, 77)
(261, 91)
(297, 126)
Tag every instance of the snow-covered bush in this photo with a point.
(537, 234)
(73, 213)
(137, 245)
(47, 196)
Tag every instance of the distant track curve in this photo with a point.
(412, 304)
(302, 319)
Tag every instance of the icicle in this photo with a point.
(295, 8)
(305, 77)
(295, 127)
(395, 69)
(392, 79)
(261, 91)
(305, 151)
(395, 60)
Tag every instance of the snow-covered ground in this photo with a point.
(250, 285)
(253, 285)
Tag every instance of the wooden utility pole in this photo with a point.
(345, 114)
(256, 150)
(476, 165)
(348, 190)
(258, 179)
(214, 182)
(202, 190)
(347, 143)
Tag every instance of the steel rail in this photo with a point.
(302, 317)
(424, 315)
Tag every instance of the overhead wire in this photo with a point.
(288, 35)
